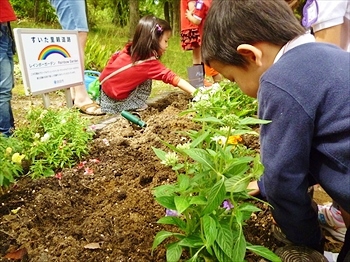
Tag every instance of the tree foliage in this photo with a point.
(120, 13)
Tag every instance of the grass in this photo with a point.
(104, 41)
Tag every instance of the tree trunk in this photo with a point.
(36, 10)
(134, 16)
(176, 17)
(119, 13)
(166, 11)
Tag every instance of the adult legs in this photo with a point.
(72, 16)
(6, 81)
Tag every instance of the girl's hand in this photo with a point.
(191, 18)
(189, 14)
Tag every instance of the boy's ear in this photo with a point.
(251, 53)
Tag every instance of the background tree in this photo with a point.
(134, 16)
(120, 13)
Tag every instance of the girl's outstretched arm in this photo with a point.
(186, 86)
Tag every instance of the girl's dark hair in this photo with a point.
(230, 23)
(145, 42)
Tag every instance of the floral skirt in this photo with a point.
(136, 100)
(190, 39)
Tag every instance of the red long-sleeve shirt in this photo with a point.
(6, 12)
(121, 85)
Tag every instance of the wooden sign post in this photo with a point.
(50, 60)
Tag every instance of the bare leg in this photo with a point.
(329, 35)
(344, 255)
(196, 56)
(346, 217)
(80, 95)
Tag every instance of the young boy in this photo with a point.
(303, 87)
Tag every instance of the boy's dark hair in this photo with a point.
(145, 42)
(230, 23)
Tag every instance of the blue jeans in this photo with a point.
(71, 14)
(6, 80)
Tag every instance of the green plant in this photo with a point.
(53, 139)
(10, 160)
(208, 204)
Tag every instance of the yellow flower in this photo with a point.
(17, 158)
(234, 140)
(8, 151)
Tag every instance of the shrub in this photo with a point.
(53, 139)
(10, 160)
(207, 204)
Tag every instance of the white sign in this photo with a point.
(49, 59)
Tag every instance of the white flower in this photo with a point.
(37, 136)
(63, 121)
(45, 138)
(171, 159)
(43, 113)
(219, 139)
(183, 146)
(214, 88)
(225, 128)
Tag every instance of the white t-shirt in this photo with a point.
(332, 13)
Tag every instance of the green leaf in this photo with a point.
(220, 254)
(160, 237)
(210, 230)
(160, 153)
(192, 241)
(253, 121)
(248, 207)
(164, 190)
(173, 252)
(235, 167)
(198, 200)
(258, 168)
(170, 146)
(237, 183)
(181, 203)
(209, 120)
(225, 240)
(236, 170)
(184, 182)
(170, 220)
(193, 259)
(264, 252)
(215, 197)
(48, 172)
(167, 202)
(200, 139)
(239, 249)
(202, 157)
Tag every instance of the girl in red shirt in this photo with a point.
(138, 64)
(197, 17)
(190, 37)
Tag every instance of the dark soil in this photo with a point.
(109, 215)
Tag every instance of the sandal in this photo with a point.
(95, 112)
(291, 253)
(279, 235)
(142, 108)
